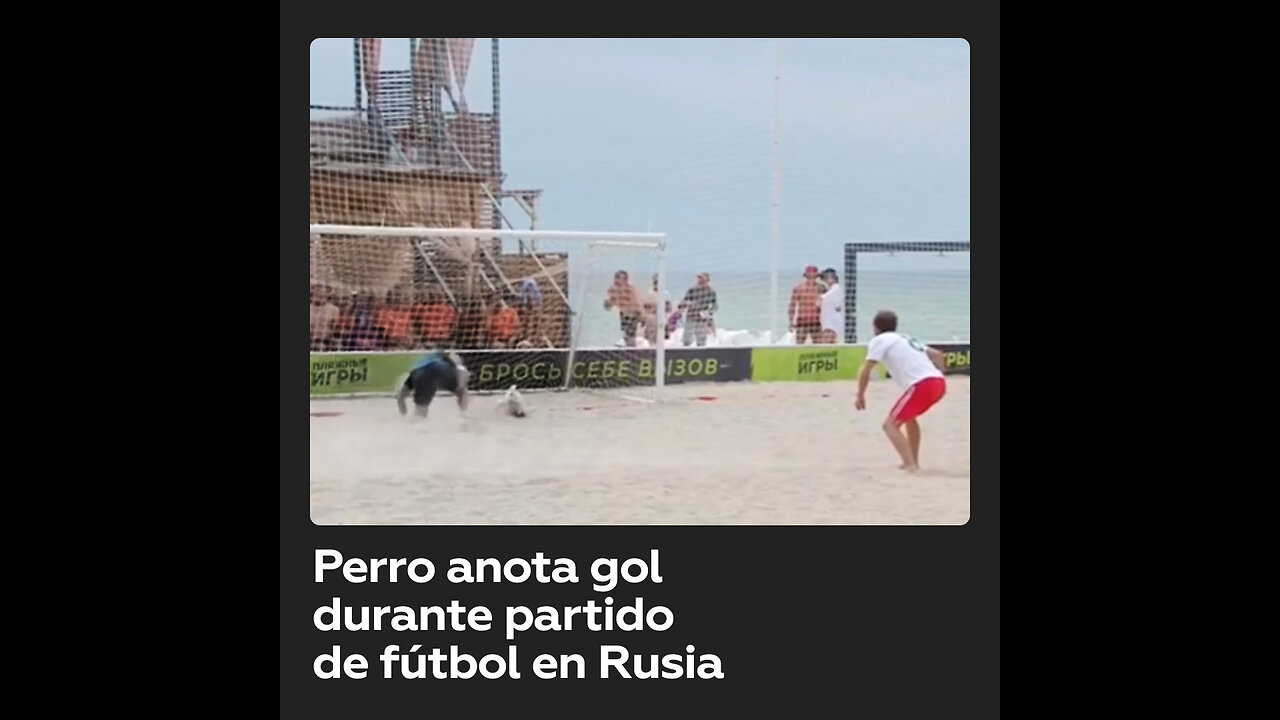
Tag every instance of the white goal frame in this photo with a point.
(655, 241)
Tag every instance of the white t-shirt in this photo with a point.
(904, 357)
(833, 309)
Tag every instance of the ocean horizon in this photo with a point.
(932, 304)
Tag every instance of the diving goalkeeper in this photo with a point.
(438, 370)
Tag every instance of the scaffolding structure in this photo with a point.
(410, 151)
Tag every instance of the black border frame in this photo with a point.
(900, 622)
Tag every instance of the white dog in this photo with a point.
(512, 403)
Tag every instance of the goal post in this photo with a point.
(927, 280)
(503, 298)
(622, 315)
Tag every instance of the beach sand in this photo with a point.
(757, 454)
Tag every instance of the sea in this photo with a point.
(932, 304)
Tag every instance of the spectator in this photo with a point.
(342, 327)
(653, 295)
(699, 307)
(803, 311)
(360, 330)
(434, 319)
(324, 319)
(651, 309)
(396, 318)
(503, 323)
(626, 298)
(648, 321)
(530, 310)
(832, 308)
(472, 319)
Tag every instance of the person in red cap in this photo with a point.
(804, 311)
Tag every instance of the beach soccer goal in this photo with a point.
(926, 282)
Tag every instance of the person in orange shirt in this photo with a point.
(395, 318)
(503, 323)
(433, 319)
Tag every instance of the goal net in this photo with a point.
(521, 308)
(620, 327)
(925, 282)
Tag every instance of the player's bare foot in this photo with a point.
(913, 469)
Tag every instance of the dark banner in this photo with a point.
(957, 357)
(526, 369)
(629, 367)
(624, 367)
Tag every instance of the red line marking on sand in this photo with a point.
(325, 414)
(705, 398)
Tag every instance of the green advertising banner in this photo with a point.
(356, 373)
(809, 363)
(342, 373)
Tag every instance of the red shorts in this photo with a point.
(917, 399)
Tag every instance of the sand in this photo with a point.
(758, 454)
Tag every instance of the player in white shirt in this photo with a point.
(917, 369)
(832, 305)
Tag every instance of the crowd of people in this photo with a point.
(815, 313)
(403, 320)
(639, 317)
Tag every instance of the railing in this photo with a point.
(346, 132)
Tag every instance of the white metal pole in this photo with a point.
(777, 186)
(579, 314)
(660, 352)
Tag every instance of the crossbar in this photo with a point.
(483, 234)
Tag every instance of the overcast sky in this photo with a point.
(677, 134)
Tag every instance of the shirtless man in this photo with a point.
(626, 298)
(805, 306)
